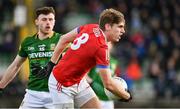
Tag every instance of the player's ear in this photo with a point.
(36, 22)
(107, 26)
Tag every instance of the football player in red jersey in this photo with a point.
(67, 83)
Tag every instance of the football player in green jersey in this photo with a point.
(38, 49)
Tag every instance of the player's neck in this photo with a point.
(106, 34)
(43, 36)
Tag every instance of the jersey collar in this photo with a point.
(36, 35)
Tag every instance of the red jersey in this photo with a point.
(87, 50)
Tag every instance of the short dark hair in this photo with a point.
(110, 16)
(44, 10)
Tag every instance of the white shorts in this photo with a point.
(76, 95)
(36, 99)
(107, 104)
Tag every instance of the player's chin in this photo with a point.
(117, 40)
(47, 31)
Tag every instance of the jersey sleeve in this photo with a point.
(102, 57)
(22, 51)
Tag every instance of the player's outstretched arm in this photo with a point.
(11, 71)
(110, 84)
(63, 42)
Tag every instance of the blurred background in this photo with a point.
(148, 54)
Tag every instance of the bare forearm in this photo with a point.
(58, 51)
(110, 84)
(62, 44)
(118, 90)
(11, 71)
(8, 76)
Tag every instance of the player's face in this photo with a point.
(116, 31)
(45, 23)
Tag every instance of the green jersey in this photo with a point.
(97, 84)
(38, 53)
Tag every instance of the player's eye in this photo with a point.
(44, 19)
(50, 19)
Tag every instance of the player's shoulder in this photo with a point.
(94, 31)
(90, 26)
(57, 35)
(29, 39)
(87, 27)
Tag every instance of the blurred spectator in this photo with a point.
(157, 74)
(133, 71)
(9, 39)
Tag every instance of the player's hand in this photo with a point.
(127, 100)
(46, 71)
(35, 68)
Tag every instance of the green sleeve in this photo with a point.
(22, 51)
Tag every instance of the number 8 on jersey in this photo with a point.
(80, 40)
